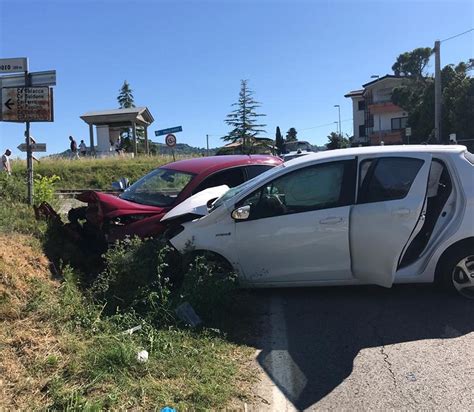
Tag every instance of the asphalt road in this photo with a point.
(408, 347)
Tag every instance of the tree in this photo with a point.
(337, 141)
(416, 96)
(291, 135)
(279, 141)
(125, 97)
(412, 63)
(243, 119)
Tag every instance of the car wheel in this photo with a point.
(220, 265)
(457, 272)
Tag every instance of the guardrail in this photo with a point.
(74, 192)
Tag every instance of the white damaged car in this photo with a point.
(372, 215)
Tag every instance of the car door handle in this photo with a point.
(401, 212)
(331, 220)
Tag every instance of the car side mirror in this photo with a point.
(121, 185)
(241, 213)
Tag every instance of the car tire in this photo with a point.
(220, 264)
(456, 271)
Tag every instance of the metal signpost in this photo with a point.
(26, 98)
(170, 140)
(47, 78)
(168, 131)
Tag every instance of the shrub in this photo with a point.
(150, 279)
(207, 286)
(137, 276)
(44, 189)
(12, 188)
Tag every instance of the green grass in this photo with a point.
(62, 345)
(90, 173)
(62, 349)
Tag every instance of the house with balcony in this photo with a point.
(376, 119)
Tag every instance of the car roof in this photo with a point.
(210, 164)
(367, 150)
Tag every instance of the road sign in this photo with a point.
(35, 147)
(47, 78)
(27, 104)
(408, 131)
(19, 64)
(168, 131)
(170, 140)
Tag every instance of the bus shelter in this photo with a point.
(110, 124)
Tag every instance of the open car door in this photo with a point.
(391, 197)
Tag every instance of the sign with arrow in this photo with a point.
(35, 147)
(27, 104)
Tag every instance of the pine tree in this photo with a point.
(125, 97)
(279, 141)
(243, 119)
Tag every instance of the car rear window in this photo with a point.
(470, 157)
(388, 178)
(255, 170)
(230, 177)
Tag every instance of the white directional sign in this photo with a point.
(46, 78)
(35, 147)
(19, 64)
(27, 104)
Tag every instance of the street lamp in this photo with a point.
(339, 110)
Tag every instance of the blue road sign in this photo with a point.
(168, 131)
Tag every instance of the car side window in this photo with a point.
(311, 188)
(387, 178)
(255, 170)
(230, 177)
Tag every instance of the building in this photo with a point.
(110, 123)
(376, 119)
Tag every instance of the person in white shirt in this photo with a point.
(83, 148)
(5, 164)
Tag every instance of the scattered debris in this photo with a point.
(142, 356)
(131, 330)
(186, 313)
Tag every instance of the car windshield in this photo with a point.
(158, 188)
(238, 189)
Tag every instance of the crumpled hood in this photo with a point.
(196, 204)
(113, 206)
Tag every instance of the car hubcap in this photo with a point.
(463, 277)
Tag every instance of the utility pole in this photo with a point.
(207, 143)
(29, 153)
(438, 97)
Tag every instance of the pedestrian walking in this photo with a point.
(73, 147)
(82, 148)
(6, 165)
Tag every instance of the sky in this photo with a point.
(184, 59)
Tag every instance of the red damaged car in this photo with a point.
(137, 211)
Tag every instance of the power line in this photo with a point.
(457, 35)
(324, 125)
(299, 130)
